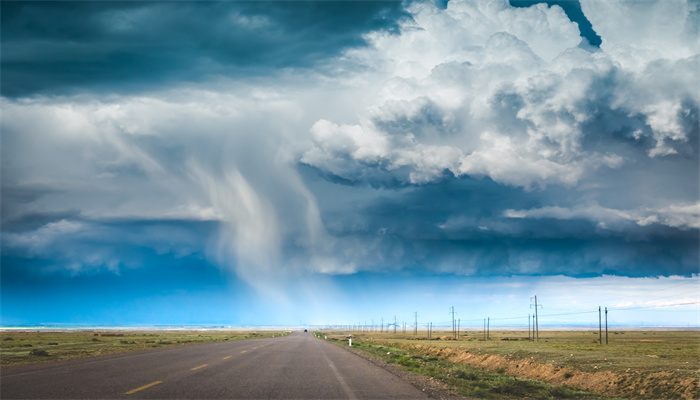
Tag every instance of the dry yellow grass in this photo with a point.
(28, 347)
(640, 364)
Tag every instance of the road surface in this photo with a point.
(297, 366)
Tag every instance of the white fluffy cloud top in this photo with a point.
(484, 89)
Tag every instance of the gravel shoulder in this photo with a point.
(433, 387)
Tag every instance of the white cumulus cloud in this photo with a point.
(485, 89)
(682, 216)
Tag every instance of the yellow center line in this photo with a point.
(143, 387)
(243, 351)
(226, 358)
(254, 348)
(201, 366)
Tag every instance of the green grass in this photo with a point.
(468, 381)
(636, 364)
(28, 347)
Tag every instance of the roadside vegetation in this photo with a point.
(28, 347)
(635, 364)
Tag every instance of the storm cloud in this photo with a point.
(127, 47)
(283, 140)
(507, 95)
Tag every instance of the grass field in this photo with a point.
(27, 347)
(635, 364)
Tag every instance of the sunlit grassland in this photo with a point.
(639, 364)
(28, 347)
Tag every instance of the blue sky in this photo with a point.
(277, 163)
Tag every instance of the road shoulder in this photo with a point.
(431, 386)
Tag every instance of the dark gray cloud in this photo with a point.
(444, 143)
(74, 244)
(120, 47)
(463, 226)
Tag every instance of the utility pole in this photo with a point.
(382, 325)
(484, 328)
(454, 334)
(528, 327)
(600, 328)
(458, 328)
(606, 325)
(537, 321)
(415, 326)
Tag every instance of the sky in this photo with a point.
(347, 162)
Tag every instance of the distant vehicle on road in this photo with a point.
(305, 330)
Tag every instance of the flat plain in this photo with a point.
(634, 364)
(296, 366)
(562, 364)
(37, 346)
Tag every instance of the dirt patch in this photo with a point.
(629, 384)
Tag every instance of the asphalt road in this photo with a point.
(297, 366)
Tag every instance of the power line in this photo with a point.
(445, 323)
(452, 323)
(575, 313)
(415, 329)
(537, 324)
